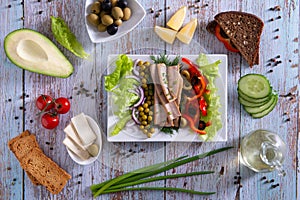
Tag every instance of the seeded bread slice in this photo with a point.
(45, 170)
(22, 145)
(244, 31)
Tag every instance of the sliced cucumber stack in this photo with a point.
(256, 95)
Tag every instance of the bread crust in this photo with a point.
(249, 48)
(25, 141)
(45, 170)
(40, 169)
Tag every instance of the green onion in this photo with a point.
(136, 172)
(135, 177)
(158, 178)
(160, 188)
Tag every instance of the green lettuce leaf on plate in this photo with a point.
(124, 66)
(120, 86)
(211, 72)
(66, 38)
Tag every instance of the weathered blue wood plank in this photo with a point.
(11, 92)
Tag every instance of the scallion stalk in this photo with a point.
(159, 188)
(148, 171)
(159, 178)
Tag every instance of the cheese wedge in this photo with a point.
(71, 133)
(166, 34)
(186, 34)
(176, 21)
(83, 130)
(81, 153)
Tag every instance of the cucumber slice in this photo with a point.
(261, 108)
(250, 104)
(255, 86)
(253, 100)
(267, 111)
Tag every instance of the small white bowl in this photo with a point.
(137, 15)
(93, 124)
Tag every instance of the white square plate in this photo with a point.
(134, 134)
(137, 15)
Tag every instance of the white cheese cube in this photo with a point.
(81, 153)
(71, 133)
(83, 130)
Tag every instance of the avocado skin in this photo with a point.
(9, 51)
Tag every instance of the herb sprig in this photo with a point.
(163, 58)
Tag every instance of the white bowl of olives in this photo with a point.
(107, 20)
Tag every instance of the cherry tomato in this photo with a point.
(44, 102)
(50, 120)
(62, 105)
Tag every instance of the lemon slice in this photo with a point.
(166, 34)
(176, 21)
(186, 34)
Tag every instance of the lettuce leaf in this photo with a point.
(66, 38)
(120, 87)
(124, 66)
(211, 72)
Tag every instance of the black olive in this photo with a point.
(112, 29)
(106, 6)
(202, 125)
(122, 4)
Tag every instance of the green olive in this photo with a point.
(149, 103)
(150, 112)
(96, 7)
(142, 127)
(93, 19)
(117, 13)
(141, 113)
(140, 63)
(127, 14)
(150, 118)
(183, 122)
(144, 81)
(145, 131)
(147, 110)
(102, 13)
(113, 3)
(118, 22)
(142, 74)
(144, 86)
(144, 117)
(140, 108)
(149, 135)
(147, 63)
(101, 28)
(148, 98)
(142, 67)
(152, 130)
(107, 20)
(144, 123)
(145, 105)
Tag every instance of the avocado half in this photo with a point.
(32, 51)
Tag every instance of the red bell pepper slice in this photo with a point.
(192, 125)
(225, 41)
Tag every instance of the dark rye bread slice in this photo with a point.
(46, 171)
(22, 145)
(244, 31)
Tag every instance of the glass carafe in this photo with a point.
(263, 151)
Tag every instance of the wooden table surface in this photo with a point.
(20, 88)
